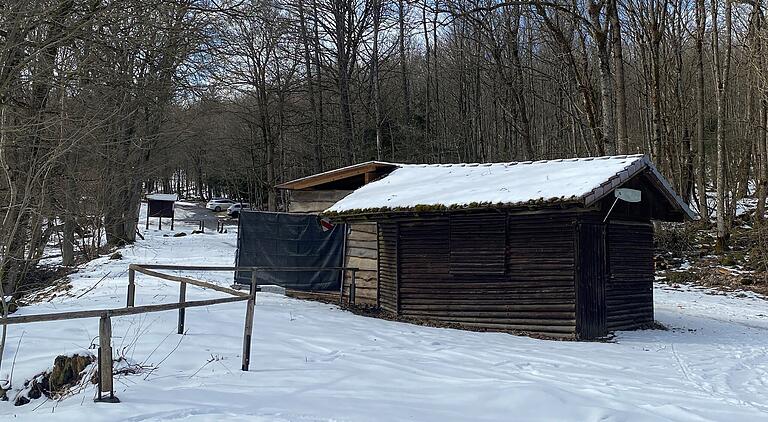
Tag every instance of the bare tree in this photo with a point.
(721, 70)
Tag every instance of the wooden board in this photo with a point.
(314, 201)
(534, 291)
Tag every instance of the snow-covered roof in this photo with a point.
(163, 197)
(581, 180)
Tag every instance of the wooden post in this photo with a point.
(172, 223)
(159, 223)
(182, 299)
(249, 323)
(131, 288)
(147, 226)
(352, 289)
(105, 361)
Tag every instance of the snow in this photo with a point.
(313, 362)
(184, 211)
(163, 196)
(412, 185)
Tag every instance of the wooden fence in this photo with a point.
(104, 315)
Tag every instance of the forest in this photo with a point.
(103, 101)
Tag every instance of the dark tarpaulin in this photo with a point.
(271, 239)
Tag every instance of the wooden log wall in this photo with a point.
(387, 263)
(535, 294)
(314, 201)
(629, 288)
(590, 280)
(362, 253)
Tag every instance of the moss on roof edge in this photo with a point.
(533, 203)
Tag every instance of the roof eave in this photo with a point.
(335, 174)
(600, 192)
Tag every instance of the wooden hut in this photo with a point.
(161, 205)
(546, 247)
(314, 194)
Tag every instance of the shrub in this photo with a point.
(678, 239)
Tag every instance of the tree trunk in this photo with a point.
(762, 177)
(622, 134)
(518, 84)
(600, 35)
(701, 173)
(403, 64)
(722, 67)
(317, 142)
(376, 100)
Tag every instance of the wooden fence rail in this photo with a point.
(105, 326)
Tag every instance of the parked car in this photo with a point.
(218, 204)
(234, 210)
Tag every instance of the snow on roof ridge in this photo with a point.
(162, 196)
(513, 163)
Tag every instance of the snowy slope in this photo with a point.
(314, 362)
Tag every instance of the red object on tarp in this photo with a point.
(326, 224)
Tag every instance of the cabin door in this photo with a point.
(590, 281)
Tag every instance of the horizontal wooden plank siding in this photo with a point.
(541, 259)
(387, 264)
(590, 280)
(534, 291)
(629, 290)
(314, 201)
(478, 244)
(362, 253)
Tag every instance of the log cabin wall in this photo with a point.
(590, 279)
(362, 253)
(387, 262)
(526, 282)
(314, 201)
(629, 288)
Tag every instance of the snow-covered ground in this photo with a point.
(315, 362)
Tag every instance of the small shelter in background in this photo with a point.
(161, 205)
(560, 248)
(314, 194)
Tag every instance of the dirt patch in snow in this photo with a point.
(68, 373)
(685, 254)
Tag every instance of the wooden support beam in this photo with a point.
(131, 287)
(182, 299)
(105, 361)
(248, 330)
